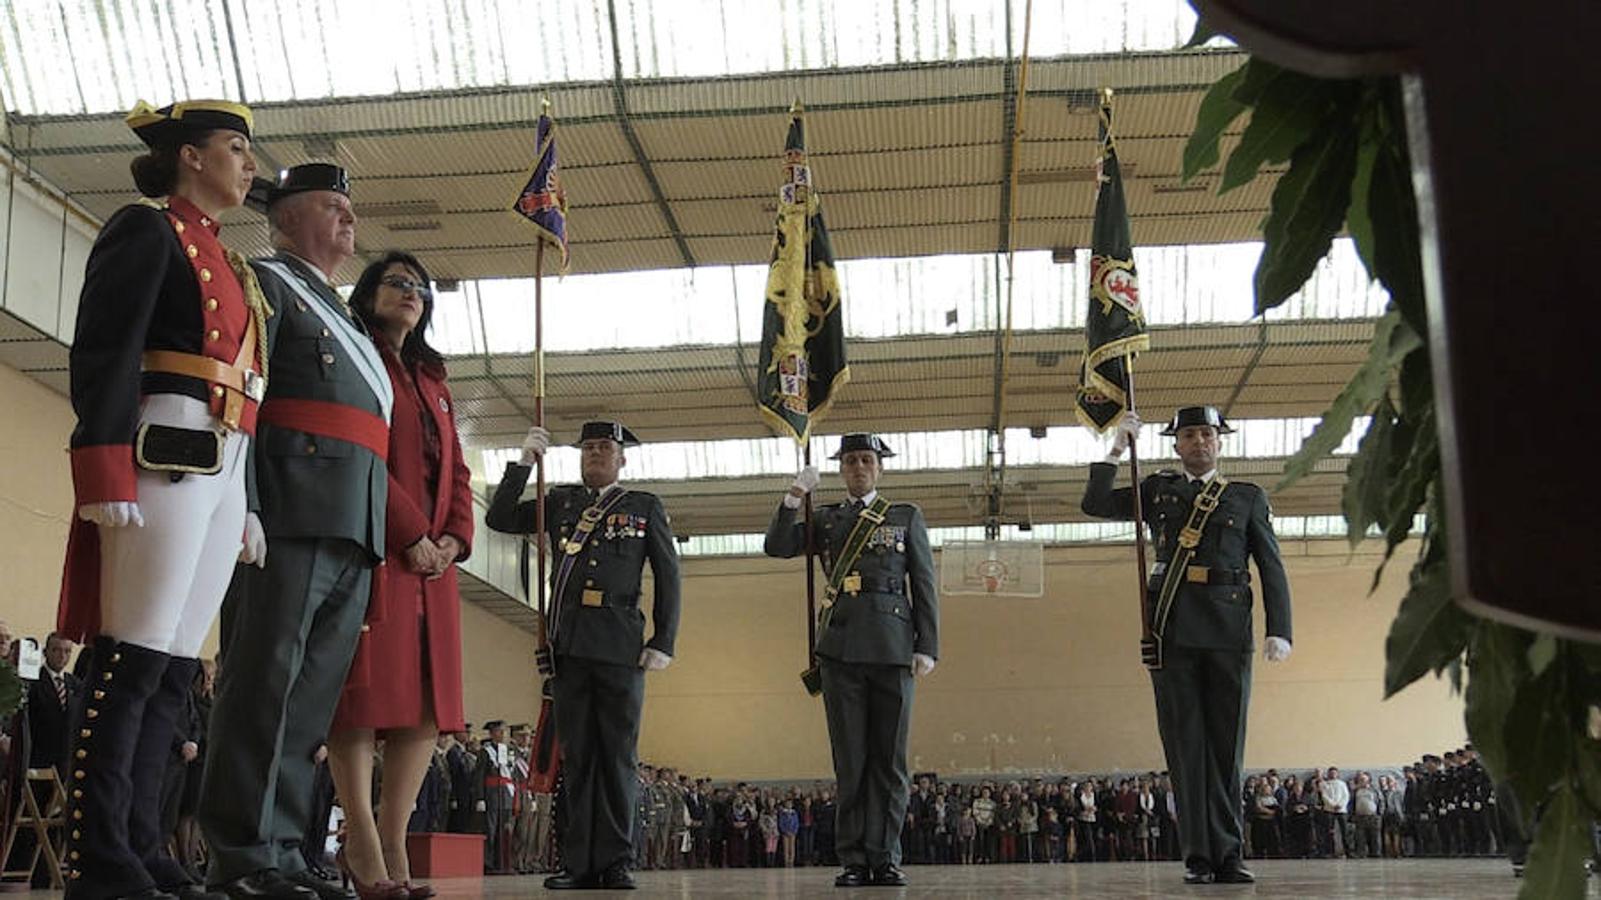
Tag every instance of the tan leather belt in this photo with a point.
(240, 383)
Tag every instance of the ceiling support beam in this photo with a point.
(619, 93)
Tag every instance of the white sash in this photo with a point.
(357, 345)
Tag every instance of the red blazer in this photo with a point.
(386, 678)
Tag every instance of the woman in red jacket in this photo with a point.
(405, 683)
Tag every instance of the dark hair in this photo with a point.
(155, 174)
(416, 350)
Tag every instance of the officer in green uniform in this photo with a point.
(882, 625)
(603, 536)
(318, 479)
(1203, 685)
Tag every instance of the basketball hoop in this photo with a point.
(992, 568)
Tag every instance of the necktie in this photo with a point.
(61, 690)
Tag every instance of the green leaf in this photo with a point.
(1429, 630)
(10, 689)
(1541, 722)
(1588, 756)
(1218, 111)
(1358, 219)
(1417, 383)
(1291, 111)
(1541, 653)
(1307, 210)
(1392, 341)
(1497, 666)
(1556, 859)
(1410, 486)
(1202, 33)
(1393, 210)
(1366, 492)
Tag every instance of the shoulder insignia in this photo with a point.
(152, 202)
(1168, 473)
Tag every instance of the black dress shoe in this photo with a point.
(888, 876)
(1235, 874)
(1198, 876)
(268, 884)
(567, 881)
(326, 890)
(617, 878)
(194, 892)
(853, 876)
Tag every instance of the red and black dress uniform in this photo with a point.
(165, 377)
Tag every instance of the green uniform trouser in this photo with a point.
(289, 633)
(597, 707)
(869, 708)
(1201, 699)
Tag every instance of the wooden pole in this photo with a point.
(811, 576)
(1139, 517)
(543, 637)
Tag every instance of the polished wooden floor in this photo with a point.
(1422, 879)
(1431, 879)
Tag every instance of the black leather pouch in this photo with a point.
(163, 448)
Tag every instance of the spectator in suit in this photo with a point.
(48, 701)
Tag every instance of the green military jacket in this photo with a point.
(896, 612)
(599, 617)
(305, 485)
(1211, 616)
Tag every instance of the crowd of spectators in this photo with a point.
(1441, 805)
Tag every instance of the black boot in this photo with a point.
(151, 756)
(105, 732)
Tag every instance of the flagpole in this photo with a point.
(1139, 516)
(543, 638)
(811, 576)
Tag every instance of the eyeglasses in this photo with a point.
(407, 286)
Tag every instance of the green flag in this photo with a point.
(1114, 327)
(802, 366)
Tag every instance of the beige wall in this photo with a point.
(35, 501)
(1053, 683)
(1025, 685)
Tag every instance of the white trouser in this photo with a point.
(161, 585)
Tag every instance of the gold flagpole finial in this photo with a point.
(1106, 96)
(796, 108)
(544, 105)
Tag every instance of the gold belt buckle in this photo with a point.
(594, 598)
(1197, 574)
(852, 583)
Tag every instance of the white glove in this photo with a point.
(922, 664)
(254, 552)
(535, 445)
(807, 480)
(653, 660)
(804, 484)
(1128, 428)
(1276, 649)
(112, 514)
(479, 806)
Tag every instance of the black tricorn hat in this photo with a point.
(1198, 415)
(181, 122)
(612, 431)
(309, 177)
(861, 440)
